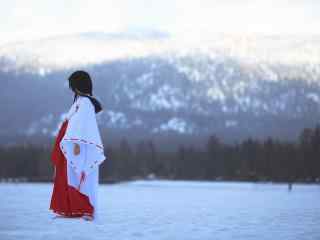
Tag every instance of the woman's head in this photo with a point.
(80, 81)
(81, 84)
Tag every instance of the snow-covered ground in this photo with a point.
(168, 210)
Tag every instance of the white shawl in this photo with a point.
(83, 129)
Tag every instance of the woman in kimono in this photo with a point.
(77, 154)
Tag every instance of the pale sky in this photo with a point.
(33, 19)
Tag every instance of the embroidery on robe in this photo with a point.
(84, 141)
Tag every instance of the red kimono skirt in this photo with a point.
(66, 200)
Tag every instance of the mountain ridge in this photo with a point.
(161, 87)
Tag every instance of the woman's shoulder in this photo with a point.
(85, 102)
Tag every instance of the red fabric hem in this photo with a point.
(72, 214)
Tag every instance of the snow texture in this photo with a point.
(168, 210)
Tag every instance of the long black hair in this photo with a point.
(81, 84)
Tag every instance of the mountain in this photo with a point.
(152, 84)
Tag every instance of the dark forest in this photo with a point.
(249, 160)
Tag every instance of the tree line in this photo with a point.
(249, 160)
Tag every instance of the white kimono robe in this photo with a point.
(82, 129)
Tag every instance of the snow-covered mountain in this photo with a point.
(152, 83)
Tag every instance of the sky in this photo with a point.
(33, 19)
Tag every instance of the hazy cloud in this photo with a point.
(23, 20)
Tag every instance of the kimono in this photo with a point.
(74, 196)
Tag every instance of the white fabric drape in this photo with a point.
(83, 129)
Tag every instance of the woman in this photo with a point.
(77, 154)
